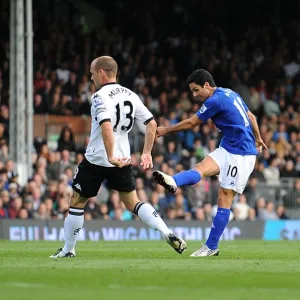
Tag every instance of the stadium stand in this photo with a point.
(261, 62)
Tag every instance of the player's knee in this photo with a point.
(199, 168)
(130, 207)
(78, 201)
(208, 167)
(129, 199)
(225, 198)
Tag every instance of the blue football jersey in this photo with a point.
(229, 113)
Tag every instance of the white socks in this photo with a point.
(72, 226)
(74, 223)
(150, 216)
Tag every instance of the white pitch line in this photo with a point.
(146, 287)
(160, 288)
(25, 284)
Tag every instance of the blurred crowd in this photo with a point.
(260, 61)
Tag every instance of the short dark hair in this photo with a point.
(108, 64)
(201, 76)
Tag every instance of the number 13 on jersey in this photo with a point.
(128, 117)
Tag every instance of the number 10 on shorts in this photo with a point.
(232, 171)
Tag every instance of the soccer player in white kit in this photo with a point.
(107, 156)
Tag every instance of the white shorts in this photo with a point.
(234, 169)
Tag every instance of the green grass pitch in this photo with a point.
(150, 270)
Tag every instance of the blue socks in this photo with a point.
(219, 223)
(189, 177)
(221, 219)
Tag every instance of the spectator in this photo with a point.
(92, 208)
(241, 209)
(3, 210)
(260, 206)
(259, 171)
(268, 213)
(171, 156)
(40, 107)
(104, 211)
(42, 213)
(208, 211)
(271, 173)
(280, 211)
(197, 194)
(63, 74)
(289, 170)
(53, 167)
(23, 214)
(252, 214)
(15, 207)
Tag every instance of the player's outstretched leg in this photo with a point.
(219, 224)
(149, 216)
(72, 226)
(171, 183)
(208, 167)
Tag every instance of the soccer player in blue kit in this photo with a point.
(233, 161)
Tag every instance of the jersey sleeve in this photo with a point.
(101, 112)
(208, 109)
(142, 113)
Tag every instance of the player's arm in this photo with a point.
(102, 115)
(149, 136)
(208, 109)
(144, 115)
(259, 142)
(254, 125)
(187, 124)
(108, 140)
(146, 158)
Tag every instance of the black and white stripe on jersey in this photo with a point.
(147, 121)
(104, 120)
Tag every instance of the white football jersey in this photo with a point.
(120, 106)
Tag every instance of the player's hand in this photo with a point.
(120, 162)
(260, 145)
(146, 161)
(161, 131)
